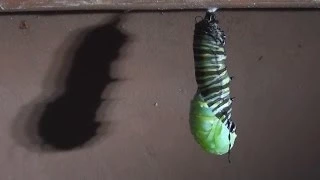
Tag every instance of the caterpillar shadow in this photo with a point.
(69, 120)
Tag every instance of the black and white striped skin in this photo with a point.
(210, 68)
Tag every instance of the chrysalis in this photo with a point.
(210, 112)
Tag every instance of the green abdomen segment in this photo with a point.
(209, 131)
(210, 114)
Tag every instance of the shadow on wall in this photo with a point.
(68, 120)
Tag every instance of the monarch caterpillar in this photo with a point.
(210, 111)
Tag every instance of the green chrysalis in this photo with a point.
(210, 111)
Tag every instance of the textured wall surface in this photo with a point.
(49, 5)
(274, 57)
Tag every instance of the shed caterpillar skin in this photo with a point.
(210, 111)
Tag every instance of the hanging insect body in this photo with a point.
(210, 112)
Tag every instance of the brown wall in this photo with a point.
(52, 5)
(274, 57)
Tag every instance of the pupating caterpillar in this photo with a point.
(210, 111)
